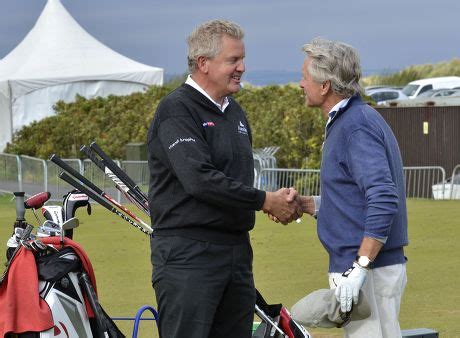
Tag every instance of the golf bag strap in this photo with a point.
(272, 310)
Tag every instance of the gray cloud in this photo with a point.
(389, 34)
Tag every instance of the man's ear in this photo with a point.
(202, 62)
(325, 87)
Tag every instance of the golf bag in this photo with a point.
(48, 288)
(276, 321)
(61, 282)
(64, 280)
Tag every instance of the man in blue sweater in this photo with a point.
(362, 217)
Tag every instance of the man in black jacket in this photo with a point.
(201, 196)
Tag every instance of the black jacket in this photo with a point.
(201, 169)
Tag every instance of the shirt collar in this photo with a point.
(195, 85)
(342, 103)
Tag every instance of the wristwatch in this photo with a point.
(363, 261)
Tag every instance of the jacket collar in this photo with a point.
(354, 100)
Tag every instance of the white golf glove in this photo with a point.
(349, 285)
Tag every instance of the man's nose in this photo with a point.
(241, 67)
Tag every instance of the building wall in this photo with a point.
(427, 136)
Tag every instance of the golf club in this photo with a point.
(68, 225)
(116, 173)
(101, 201)
(54, 158)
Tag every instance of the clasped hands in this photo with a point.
(286, 205)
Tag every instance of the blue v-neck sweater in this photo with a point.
(362, 188)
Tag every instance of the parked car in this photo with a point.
(446, 190)
(366, 89)
(440, 93)
(415, 88)
(381, 95)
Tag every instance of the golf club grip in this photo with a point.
(20, 206)
(121, 179)
(113, 166)
(115, 169)
(59, 162)
(100, 200)
(128, 194)
(89, 153)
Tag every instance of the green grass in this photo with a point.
(289, 262)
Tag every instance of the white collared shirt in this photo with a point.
(195, 85)
(340, 104)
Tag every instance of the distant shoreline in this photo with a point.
(280, 77)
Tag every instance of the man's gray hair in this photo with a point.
(206, 40)
(336, 62)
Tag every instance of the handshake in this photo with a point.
(286, 205)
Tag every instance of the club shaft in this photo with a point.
(58, 161)
(100, 200)
(120, 186)
(122, 181)
(112, 165)
(117, 171)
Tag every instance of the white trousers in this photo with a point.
(383, 288)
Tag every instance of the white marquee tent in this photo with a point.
(57, 60)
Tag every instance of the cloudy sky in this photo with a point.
(389, 34)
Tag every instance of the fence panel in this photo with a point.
(34, 175)
(264, 158)
(57, 187)
(420, 182)
(453, 189)
(425, 182)
(139, 172)
(305, 181)
(10, 173)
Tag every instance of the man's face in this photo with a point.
(226, 68)
(311, 89)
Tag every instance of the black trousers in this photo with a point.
(203, 290)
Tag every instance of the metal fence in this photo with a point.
(305, 181)
(264, 158)
(453, 189)
(420, 182)
(425, 182)
(32, 175)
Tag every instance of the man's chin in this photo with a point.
(234, 88)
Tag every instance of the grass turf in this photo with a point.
(289, 262)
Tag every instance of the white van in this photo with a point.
(415, 88)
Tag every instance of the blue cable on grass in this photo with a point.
(138, 317)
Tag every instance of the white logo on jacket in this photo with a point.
(242, 129)
(180, 140)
